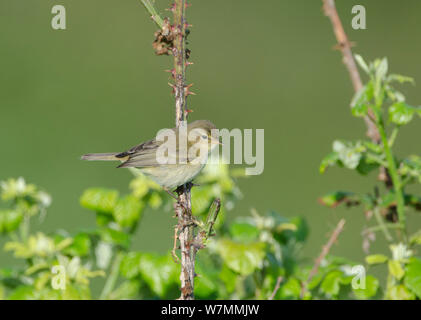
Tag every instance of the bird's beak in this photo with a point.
(215, 141)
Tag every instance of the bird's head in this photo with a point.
(203, 133)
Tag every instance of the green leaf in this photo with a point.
(413, 276)
(301, 228)
(395, 269)
(159, 272)
(415, 238)
(207, 285)
(155, 200)
(98, 199)
(10, 220)
(401, 113)
(116, 237)
(80, 246)
(331, 284)
(359, 110)
(127, 290)
(370, 290)
(23, 293)
(334, 199)
(242, 258)
(243, 231)
(400, 78)
(201, 199)
(130, 265)
(399, 292)
(127, 211)
(361, 63)
(376, 259)
(349, 154)
(291, 289)
(328, 161)
(381, 69)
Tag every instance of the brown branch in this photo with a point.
(186, 226)
(171, 39)
(277, 286)
(324, 253)
(345, 46)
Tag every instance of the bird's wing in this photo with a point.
(145, 155)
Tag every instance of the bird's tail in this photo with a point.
(100, 156)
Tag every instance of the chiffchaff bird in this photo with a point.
(173, 162)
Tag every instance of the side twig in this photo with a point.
(277, 286)
(345, 46)
(323, 254)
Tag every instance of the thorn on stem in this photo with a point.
(172, 71)
(172, 86)
(172, 7)
(187, 91)
(187, 111)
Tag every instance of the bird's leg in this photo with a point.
(192, 184)
(170, 193)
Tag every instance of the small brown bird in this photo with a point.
(185, 160)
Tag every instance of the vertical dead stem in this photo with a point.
(183, 207)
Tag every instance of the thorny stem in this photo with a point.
(189, 240)
(348, 59)
(375, 130)
(183, 209)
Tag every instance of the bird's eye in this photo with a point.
(204, 137)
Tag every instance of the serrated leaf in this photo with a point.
(127, 211)
(401, 113)
(159, 272)
(242, 258)
(331, 284)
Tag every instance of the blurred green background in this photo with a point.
(98, 87)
